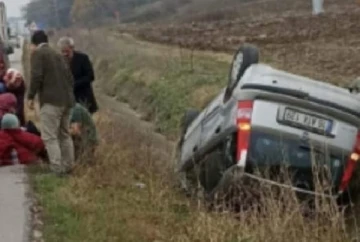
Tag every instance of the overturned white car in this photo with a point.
(267, 119)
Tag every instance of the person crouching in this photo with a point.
(84, 133)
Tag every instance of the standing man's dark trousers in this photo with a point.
(86, 97)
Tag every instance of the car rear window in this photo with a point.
(271, 155)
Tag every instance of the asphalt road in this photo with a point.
(14, 205)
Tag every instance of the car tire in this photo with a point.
(250, 55)
(216, 163)
(211, 170)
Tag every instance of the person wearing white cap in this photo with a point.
(15, 84)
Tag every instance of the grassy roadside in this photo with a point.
(159, 81)
(129, 195)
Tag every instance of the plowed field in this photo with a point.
(324, 47)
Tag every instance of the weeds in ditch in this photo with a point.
(130, 194)
(158, 81)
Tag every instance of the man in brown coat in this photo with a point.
(52, 80)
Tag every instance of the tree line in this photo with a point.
(63, 13)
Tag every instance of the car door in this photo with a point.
(192, 140)
(212, 121)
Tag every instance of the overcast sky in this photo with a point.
(14, 7)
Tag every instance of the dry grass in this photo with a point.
(130, 195)
(159, 81)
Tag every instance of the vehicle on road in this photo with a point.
(266, 121)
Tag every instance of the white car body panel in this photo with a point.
(221, 117)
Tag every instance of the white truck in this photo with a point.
(5, 46)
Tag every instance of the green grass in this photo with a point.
(161, 82)
(102, 203)
(61, 219)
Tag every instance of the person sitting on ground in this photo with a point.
(8, 104)
(15, 84)
(28, 147)
(83, 131)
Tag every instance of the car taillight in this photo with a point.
(350, 165)
(243, 122)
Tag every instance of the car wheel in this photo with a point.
(216, 164)
(211, 170)
(244, 57)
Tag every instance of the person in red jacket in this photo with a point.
(28, 146)
(8, 104)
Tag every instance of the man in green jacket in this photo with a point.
(52, 81)
(84, 133)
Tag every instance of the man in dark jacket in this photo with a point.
(52, 81)
(83, 74)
